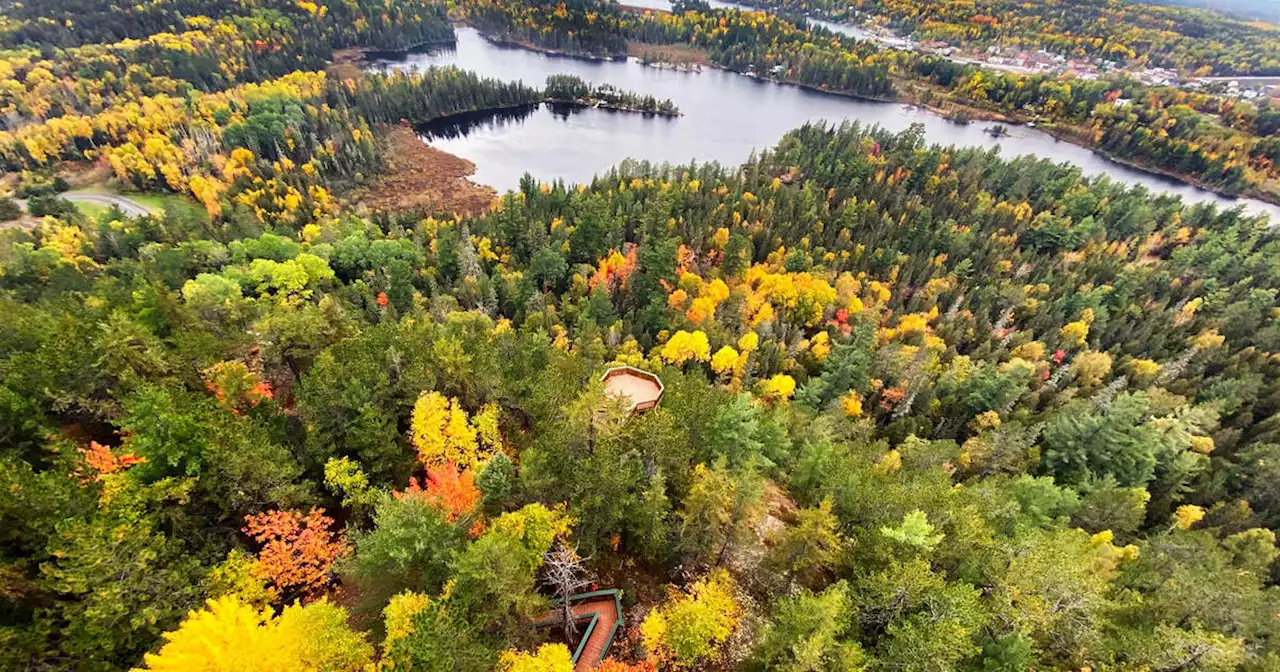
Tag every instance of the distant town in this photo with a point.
(1045, 62)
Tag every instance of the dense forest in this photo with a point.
(925, 408)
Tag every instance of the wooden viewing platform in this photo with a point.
(640, 388)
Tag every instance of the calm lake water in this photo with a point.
(726, 117)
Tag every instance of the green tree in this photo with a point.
(810, 632)
(434, 636)
(915, 531)
(240, 466)
(810, 547)
(1080, 443)
(847, 368)
(706, 520)
(1106, 505)
(926, 623)
(120, 581)
(494, 577)
(409, 548)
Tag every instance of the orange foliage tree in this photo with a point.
(298, 551)
(451, 491)
(101, 460)
(235, 385)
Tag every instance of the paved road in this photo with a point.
(129, 207)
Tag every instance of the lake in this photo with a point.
(726, 117)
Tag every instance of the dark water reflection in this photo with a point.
(461, 125)
(726, 117)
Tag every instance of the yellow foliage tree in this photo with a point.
(1091, 367)
(1187, 515)
(677, 299)
(1075, 333)
(442, 432)
(887, 464)
(1202, 444)
(851, 404)
(231, 636)
(1031, 351)
(549, 658)
(986, 420)
(820, 345)
(724, 360)
(688, 628)
(1209, 339)
(684, 346)
(702, 309)
(1144, 369)
(399, 613)
(781, 386)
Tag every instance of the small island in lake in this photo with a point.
(573, 90)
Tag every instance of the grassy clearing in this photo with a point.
(161, 203)
(157, 203)
(91, 210)
(667, 53)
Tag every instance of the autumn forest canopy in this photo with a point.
(923, 409)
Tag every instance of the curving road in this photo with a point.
(129, 207)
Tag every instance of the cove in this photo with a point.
(726, 117)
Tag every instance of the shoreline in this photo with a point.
(904, 98)
(423, 176)
(361, 55)
(810, 87)
(481, 111)
(980, 114)
(1070, 135)
(529, 46)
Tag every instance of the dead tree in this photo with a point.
(564, 574)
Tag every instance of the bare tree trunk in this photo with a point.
(564, 574)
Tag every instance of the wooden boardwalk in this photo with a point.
(599, 615)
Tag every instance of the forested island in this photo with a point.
(911, 407)
(577, 91)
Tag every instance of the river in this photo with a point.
(726, 117)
